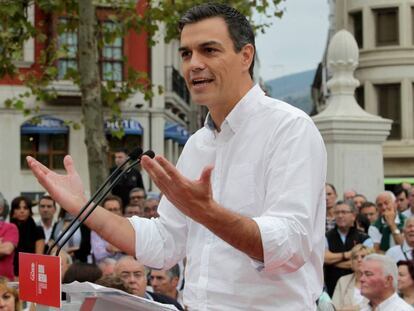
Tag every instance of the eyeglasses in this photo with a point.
(138, 197)
(342, 212)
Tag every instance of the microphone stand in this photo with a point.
(149, 153)
(135, 154)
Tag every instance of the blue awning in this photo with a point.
(130, 126)
(44, 125)
(176, 132)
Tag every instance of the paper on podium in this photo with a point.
(111, 297)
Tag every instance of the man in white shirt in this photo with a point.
(47, 211)
(246, 203)
(410, 211)
(379, 284)
(386, 231)
(404, 251)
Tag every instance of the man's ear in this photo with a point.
(174, 281)
(247, 52)
(389, 281)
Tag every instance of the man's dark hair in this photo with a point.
(111, 197)
(240, 30)
(399, 190)
(368, 204)
(122, 149)
(48, 197)
(332, 187)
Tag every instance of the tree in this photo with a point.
(81, 18)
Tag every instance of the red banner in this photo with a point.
(39, 279)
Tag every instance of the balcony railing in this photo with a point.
(176, 83)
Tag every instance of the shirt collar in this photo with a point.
(241, 111)
(389, 302)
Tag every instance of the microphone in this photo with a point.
(148, 153)
(133, 155)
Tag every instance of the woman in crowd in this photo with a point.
(31, 236)
(406, 280)
(347, 294)
(9, 297)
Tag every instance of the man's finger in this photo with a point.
(170, 169)
(36, 166)
(206, 174)
(69, 166)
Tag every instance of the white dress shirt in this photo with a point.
(393, 303)
(397, 252)
(270, 165)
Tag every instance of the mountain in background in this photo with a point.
(294, 89)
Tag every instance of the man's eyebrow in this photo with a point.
(204, 44)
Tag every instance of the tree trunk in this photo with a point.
(90, 85)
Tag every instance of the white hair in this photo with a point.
(388, 265)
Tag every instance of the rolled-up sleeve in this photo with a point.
(292, 227)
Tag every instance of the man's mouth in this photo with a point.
(201, 81)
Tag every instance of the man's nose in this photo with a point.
(196, 62)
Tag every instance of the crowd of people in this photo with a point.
(368, 263)
(85, 256)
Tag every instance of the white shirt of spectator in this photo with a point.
(397, 253)
(393, 303)
(270, 165)
(376, 235)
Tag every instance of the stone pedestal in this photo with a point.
(352, 136)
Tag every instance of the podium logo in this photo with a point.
(41, 278)
(32, 272)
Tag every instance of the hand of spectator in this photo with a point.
(389, 216)
(66, 189)
(191, 197)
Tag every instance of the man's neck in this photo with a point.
(344, 230)
(375, 302)
(219, 112)
(47, 223)
(329, 213)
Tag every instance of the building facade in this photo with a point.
(162, 123)
(384, 31)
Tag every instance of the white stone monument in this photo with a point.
(353, 137)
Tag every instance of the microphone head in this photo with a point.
(149, 153)
(135, 154)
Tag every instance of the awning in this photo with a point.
(130, 126)
(44, 125)
(176, 132)
(398, 180)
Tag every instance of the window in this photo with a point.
(359, 96)
(386, 26)
(357, 26)
(68, 40)
(112, 55)
(49, 149)
(45, 138)
(389, 106)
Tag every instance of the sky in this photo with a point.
(295, 42)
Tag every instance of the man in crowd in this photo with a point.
(410, 210)
(133, 210)
(100, 248)
(137, 196)
(403, 201)
(4, 208)
(379, 284)
(386, 231)
(404, 251)
(231, 206)
(349, 194)
(128, 181)
(9, 237)
(330, 196)
(47, 211)
(339, 242)
(166, 281)
(151, 208)
(359, 200)
(369, 210)
(134, 276)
